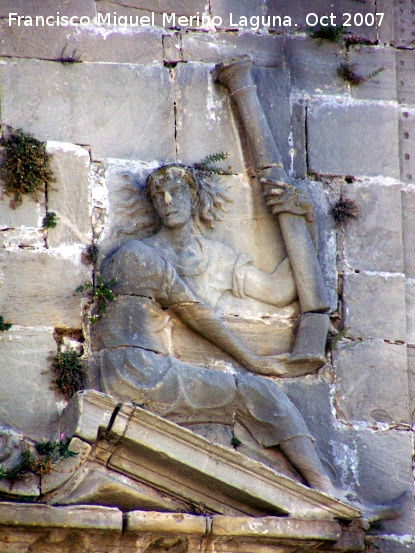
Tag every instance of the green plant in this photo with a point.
(40, 461)
(333, 340)
(346, 71)
(344, 209)
(71, 374)
(235, 441)
(90, 254)
(26, 168)
(69, 58)
(329, 32)
(102, 294)
(50, 220)
(205, 165)
(4, 326)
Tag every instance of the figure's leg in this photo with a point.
(300, 451)
(270, 417)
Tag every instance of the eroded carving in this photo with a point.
(180, 272)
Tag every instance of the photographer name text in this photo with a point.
(203, 21)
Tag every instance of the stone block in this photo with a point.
(372, 382)
(386, 31)
(28, 215)
(298, 12)
(79, 104)
(273, 91)
(407, 144)
(374, 306)
(245, 8)
(299, 151)
(411, 379)
(405, 73)
(373, 240)
(265, 50)
(369, 59)
(384, 472)
(203, 110)
(13, 239)
(26, 401)
(184, 7)
(47, 8)
(313, 67)
(172, 48)
(410, 311)
(352, 139)
(408, 230)
(38, 287)
(390, 544)
(326, 236)
(404, 24)
(69, 197)
(103, 7)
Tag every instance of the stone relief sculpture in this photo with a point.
(179, 270)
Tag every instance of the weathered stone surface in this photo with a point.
(138, 522)
(326, 236)
(38, 287)
(404, 24)
(313, 67)
(13, 239)
(407, 144)
(86, 413)
(408, 231)
(411, 379)
(80, 104)
(265, 50)
(298, 12)
(299, 145)
(28, 215)
(273, 93)
(373, 306)
(48, 8)
(160, 441)
(172, 48)
(386, 31)
(336, 132)
(361, 373)
(137, 45)
(405, 73)
(186, 7)
(247, 8)
(87, 517)
(65, 468)
(27, 402)
(203, 109)
(103, 7)
(69, 197)
(389, 544)
(373, 240)
(369, 59)
(378, 484)
(410, 311)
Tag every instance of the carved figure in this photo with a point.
(180, 271)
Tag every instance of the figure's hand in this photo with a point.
(269, 365)
(285, 365)
(287, 198)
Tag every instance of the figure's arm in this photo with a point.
(204, 321)
(279, 287)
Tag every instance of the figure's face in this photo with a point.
(172, 202)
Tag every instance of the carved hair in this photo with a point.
(208, 198)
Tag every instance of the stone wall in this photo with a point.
(144, 96)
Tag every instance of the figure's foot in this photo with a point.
(302, 365)
(388, 511)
